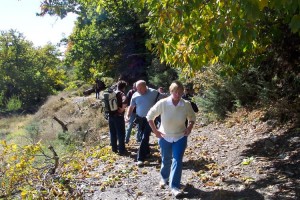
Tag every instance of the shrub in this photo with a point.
(65, 137)
(1, 99)
(160, 74)
(13, 104)
(216, 100)
(34, 131)
(74, 85)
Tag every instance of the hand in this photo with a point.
(127, 119)
(187, 132)
(159, 134)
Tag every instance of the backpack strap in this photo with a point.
(156, 98)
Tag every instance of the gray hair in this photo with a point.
(141, 82)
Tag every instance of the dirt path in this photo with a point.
(233, 160)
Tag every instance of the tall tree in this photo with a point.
(28, 73)
(107, 39)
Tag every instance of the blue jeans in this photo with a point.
(145, 131)
(117, 133)
(172, 155)
(129, 128)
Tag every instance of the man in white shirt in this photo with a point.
(172, 134)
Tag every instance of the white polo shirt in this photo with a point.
(172, 117)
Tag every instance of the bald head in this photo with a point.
(141, 87)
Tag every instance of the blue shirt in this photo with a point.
(144, 102)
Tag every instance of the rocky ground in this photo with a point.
(242, 158)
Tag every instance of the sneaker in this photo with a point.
(176, 192)
(140, 163)
(163, 183)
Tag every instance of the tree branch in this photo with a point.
(56, 160)
(63, 125)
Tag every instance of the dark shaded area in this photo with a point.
(191, 192)
(283, 151)
(196, 165)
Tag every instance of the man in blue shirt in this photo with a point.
(142, 100)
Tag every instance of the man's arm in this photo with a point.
(122, 102)
(189, 128)
(129, 112)
(122, 109)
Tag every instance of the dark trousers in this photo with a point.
(97, 91)
(117, 133)
(145, 131)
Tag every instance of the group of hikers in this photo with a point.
(170, 116)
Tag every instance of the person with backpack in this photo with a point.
(142, 100)
(172, 134)
(116, 120)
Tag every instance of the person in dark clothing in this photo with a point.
(187, 95)
(116, 121)
(99, 85)
(132, 117)
(161, 91)
(143, 99)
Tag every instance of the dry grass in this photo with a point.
(82, 115)
(244, 115)
(12, 128)
(280, 111)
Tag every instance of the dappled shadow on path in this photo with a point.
(196, 165)
(153, 159)
(283, 153)
(191, 192)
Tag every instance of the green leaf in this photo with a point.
(262, 4)
(295, 23)
(247, 161)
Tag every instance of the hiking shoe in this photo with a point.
(163, 183)
(176, 192)
(124, 153)
(115, 151)
(140, 163)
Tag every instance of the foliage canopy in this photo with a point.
(27, 73)
(227, 38)
(193, 34)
